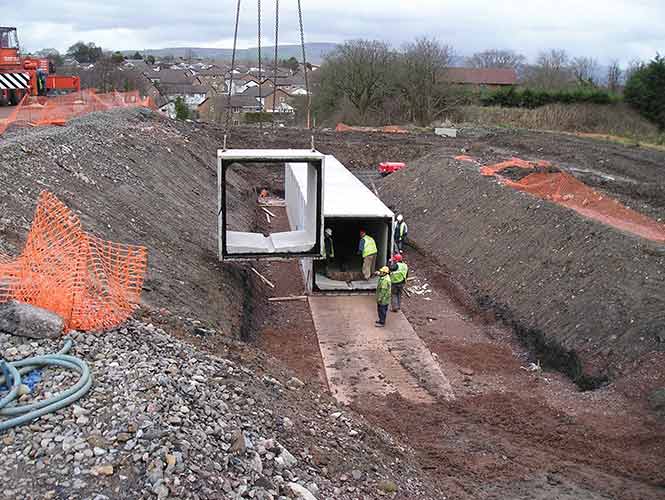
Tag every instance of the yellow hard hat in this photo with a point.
(384, 270)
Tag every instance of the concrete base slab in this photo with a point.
(256, 243)
(361, 359)
(325, 284)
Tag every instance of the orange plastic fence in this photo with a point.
(91, 283)
(388, 129)
(564, 189)
(37, 111)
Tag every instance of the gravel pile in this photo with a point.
(164, 420)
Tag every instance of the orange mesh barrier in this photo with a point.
(91, 283)
(388, 129)
(566, 190)
(466, 158)
(37, 111)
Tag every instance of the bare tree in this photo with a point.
(494, 58)
(633, 66)
(614, 76)
(421, 82)
(551, 71)
(361, 70)
(585, 70)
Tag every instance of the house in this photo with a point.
(213, 109)
(212, 77)
(481, 77)
(173, 84)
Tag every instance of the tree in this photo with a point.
(496, 59)
(360, 71)
(614, 76)
(551, 71)
(150, 60)
(291, 64)
(52, 55)
(423, 64)
(117, 57)
(85, 52)
(644, 91)
(137, 56)
(181, 109)
(584, 70)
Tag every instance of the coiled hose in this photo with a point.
(12, 371)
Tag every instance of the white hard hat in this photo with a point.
(400, 218)
(329, 232)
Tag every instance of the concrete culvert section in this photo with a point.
(349, 207)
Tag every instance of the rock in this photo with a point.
(285, 458)
(103, 470)
(387, 486)
(240, 442)
(657, 400)
(99, 451)
(467, 371)
(24, 320)
(299, 491)
(295, 383)
(161, 490)
(313, 489)
(356, 474)
(170, 459)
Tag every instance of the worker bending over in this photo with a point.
(383, 295)
(399, 272)
(367, 249)
(401, 232)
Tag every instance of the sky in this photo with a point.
(604, 29)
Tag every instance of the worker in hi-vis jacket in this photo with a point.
(383, 295)
(399, 271)
(368, 250)
(401, 232)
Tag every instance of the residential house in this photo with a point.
(173, 84)
(212, 77)
(213, 109)
(482, 77)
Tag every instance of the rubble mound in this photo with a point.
(166, 420)
(585, 296)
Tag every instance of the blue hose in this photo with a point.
(22, 414)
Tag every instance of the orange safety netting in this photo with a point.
(37, 111)
(564, 189)
(388, 129)
(90, 282)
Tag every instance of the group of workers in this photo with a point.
(392, 278)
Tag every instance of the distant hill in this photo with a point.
(315, 52)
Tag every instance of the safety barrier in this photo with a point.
(566, 190)
(39, 111)
(388, 129)
(91, 283)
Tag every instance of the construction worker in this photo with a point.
(383, 295)
(399, 271)
(401, 232)
(329, 248)
(368, 250)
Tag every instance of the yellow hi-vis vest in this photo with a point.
(399, 276)
(370, 246)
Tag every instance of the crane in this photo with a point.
(21, 76)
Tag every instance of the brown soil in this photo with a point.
(513, 433)
(585, 296)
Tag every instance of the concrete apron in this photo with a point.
(361, 359)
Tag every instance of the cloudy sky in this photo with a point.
(605, 29)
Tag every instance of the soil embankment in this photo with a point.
(585, 296)
(134, 177)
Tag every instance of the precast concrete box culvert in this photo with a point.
(303, 205)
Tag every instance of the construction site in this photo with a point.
(527, 362)
(189, 310)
